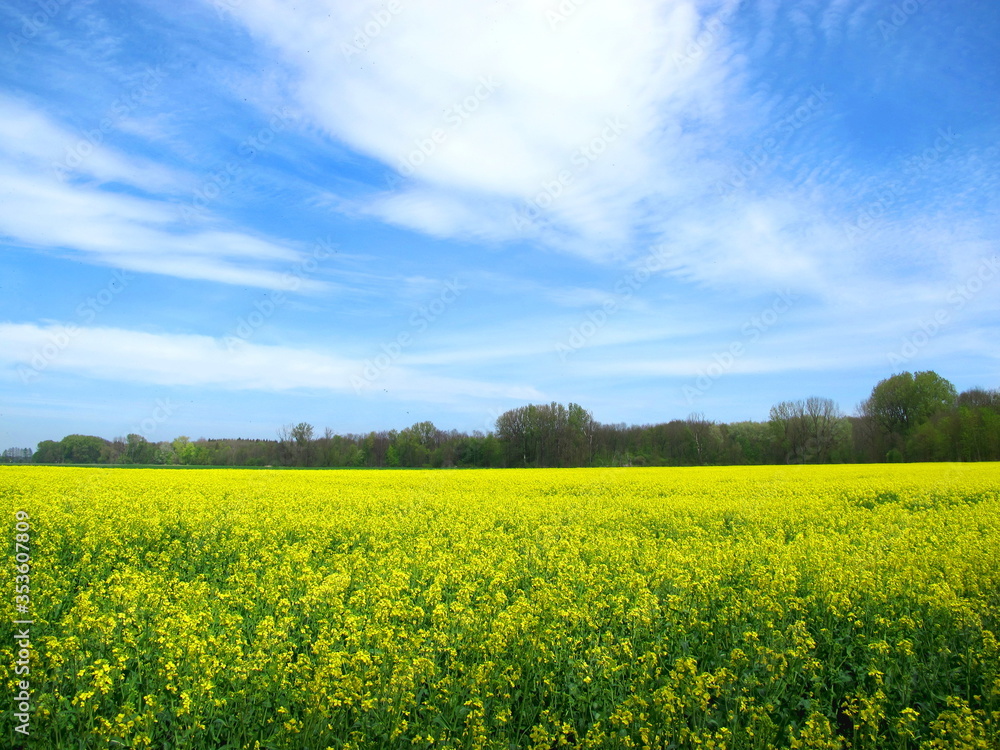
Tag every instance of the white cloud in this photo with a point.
(30, 352)
(487, 106)
(33, 141)
(109, 227)
(613, 127)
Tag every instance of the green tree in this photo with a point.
(931, 441)
(753, 440)
(138, 450)
(49, 452)
(900, 404)
(392, 456)
(82, 449)
(705, 438)
(178, 447)
(302, 434)
(188, 453)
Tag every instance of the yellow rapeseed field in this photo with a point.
(764, 607)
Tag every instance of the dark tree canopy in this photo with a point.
(899, 403)
(546, 435)
(82, 449)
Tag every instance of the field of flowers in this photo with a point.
(762, 607)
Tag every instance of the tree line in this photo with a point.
(907, 417)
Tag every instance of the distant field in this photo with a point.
(763, 607)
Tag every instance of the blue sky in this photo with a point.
(222, 217)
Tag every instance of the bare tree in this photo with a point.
(806, 430)
(701, 432)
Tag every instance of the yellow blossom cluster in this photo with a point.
(735, 608)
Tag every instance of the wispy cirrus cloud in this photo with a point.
(428, 71)
(528, 161)
(185, 360)
(99, 222)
